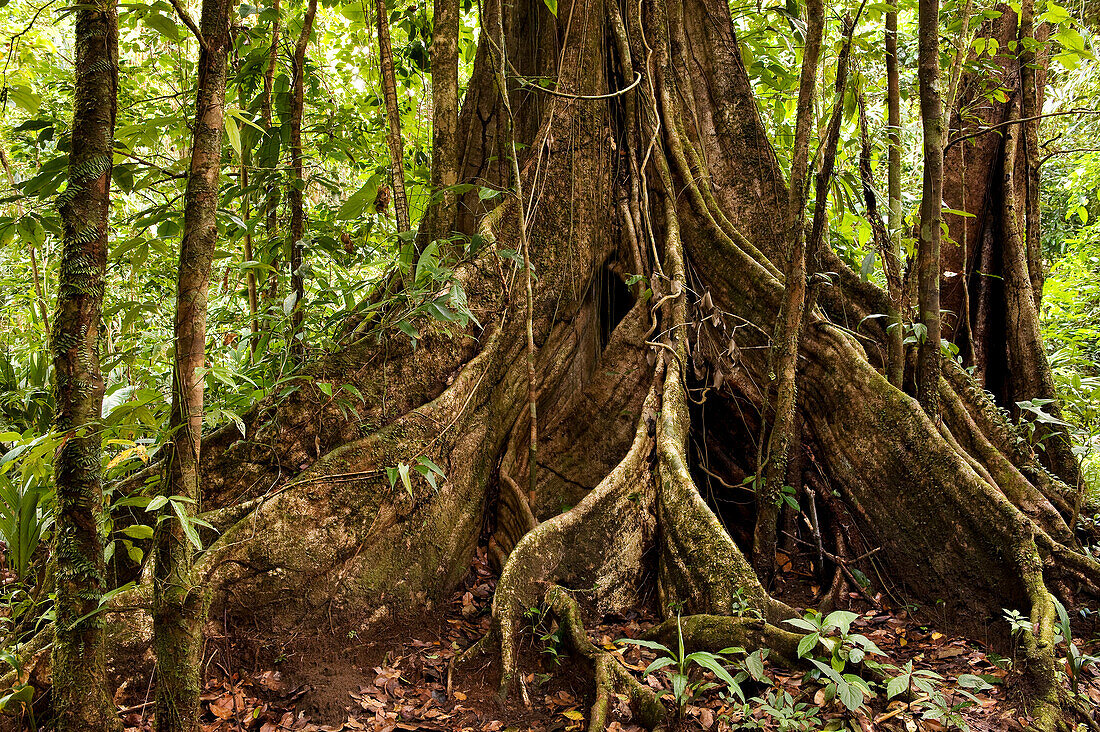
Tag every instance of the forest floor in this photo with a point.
(397, 680)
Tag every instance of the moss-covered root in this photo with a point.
(690, 530)
(1040, 666)
(598, 544)
(611, 677)
(714, 632)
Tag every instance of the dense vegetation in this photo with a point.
(317, 284)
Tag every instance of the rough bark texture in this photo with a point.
(440, 217)
(298, 182)
(988, 264)
(80, 682)
(178, 602)
(895, 368)
(674, 177)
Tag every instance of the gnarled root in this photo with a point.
(611, 677)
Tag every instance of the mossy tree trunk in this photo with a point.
(647, 156)
(178, 601)
(80, 683)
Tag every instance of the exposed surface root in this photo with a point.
(597, 546)
(714, 632)
(611, 677)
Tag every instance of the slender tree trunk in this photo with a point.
(393, 114)
(895, 349)
(445, 29)
(178, 601)
(271, 202)
(891, 266)
(248, 253)
(80, 681)
(36, 279)
(928, 253)
(772, 470)
(298, 183)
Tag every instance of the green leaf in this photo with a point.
(353, 207)
(754, 664)
(897, 685)
(157, 503)
(233, 133)
(710, 661)
(186, 524)
(971, 681)
(807, 644)
(841, 619)
(653, 645)
(659, 664)
(403, 471)
(138, 531)
(163, 25)
(803, 623)
(552, 6)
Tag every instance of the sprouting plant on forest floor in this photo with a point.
(780, 712)
(925, 692)
(833, 632)
(548, 633)
(682, 670)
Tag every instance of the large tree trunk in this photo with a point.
(992, 269)
(673, 178)
(81, 699)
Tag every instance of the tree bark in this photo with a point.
(895, 368)
(772, 469)
(81, 698)
(393, 115)
(929, 356)
(271, 202)
(990, 329)
(298, 184)
(675, 173)
(441, 214)
(178, 599)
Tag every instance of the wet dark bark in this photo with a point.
(178, 601)
(81, 699)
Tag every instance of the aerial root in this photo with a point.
(611, 677)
